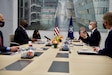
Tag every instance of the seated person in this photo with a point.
(81, 31)
(21, 36)
(36, 34)
(107, 24)
(2, 48)
(95, 37)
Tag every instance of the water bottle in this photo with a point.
(30, 52)
(30, 45)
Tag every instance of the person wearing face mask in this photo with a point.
(2, 48)
(95, 37)
(107, 23)
(21, 36)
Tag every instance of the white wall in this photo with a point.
(9, 9)
(6, 9)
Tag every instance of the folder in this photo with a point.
(87, 52)
(6, 53)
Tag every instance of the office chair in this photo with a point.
(12, 43)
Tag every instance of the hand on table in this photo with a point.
(14, 48)
(96, 49)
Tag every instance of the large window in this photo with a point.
(38, 13)
(101, 10)
(90, 10)
(41, 14)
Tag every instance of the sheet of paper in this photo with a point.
(86, 51)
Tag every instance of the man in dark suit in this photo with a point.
(2, 48)
(21, 36)
(95, 37)
(107, 23)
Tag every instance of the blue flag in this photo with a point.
(71, 30)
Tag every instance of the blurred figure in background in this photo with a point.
(21, 36)
(95, 37)
(36, 34)
(82, 31)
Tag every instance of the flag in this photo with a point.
(71, 30)
(56, 29)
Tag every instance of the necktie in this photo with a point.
(91, 33)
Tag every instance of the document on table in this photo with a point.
(78, 44)
(88, 52)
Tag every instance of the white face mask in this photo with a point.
(90, 27)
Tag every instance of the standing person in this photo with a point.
(36, 34)
(2, 48)
(95, 37)
(107, 23)
(21, 36)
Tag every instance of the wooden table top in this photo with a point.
(78, 64)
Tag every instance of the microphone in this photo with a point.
(47, 38)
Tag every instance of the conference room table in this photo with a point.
(54, 61)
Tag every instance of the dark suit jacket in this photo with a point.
(108, 46)
(2, 48)
(94, 39)
(37, 36)
(84, 40)
(21, 36)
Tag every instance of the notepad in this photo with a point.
(78, 44)
(18, 65)
(62, 55)
(40, 42)
(87, 52)
(59, 66)
(44, 48)
(76, 40)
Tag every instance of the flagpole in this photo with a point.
(71, 29)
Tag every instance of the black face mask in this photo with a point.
(25, 26)
(2, 24)
(104, 26)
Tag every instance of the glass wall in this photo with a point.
(38, 13)
(41, 14)
(87, 10)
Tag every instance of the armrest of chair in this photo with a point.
(14, 44)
